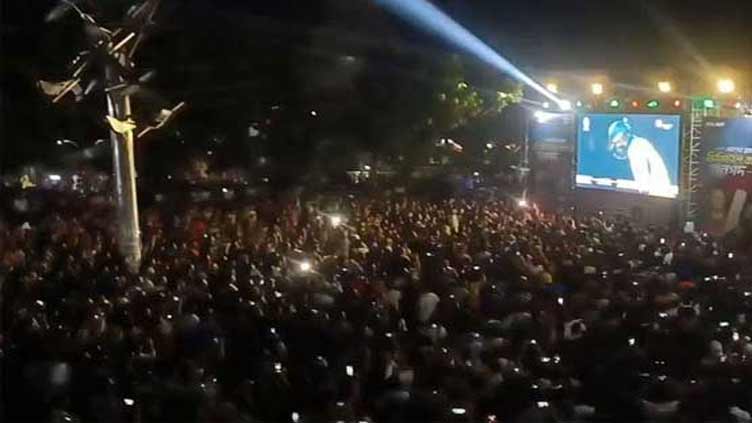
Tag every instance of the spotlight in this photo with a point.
(726, 86)
(677, 103)
(430, 18)
(597, 89)
(522, 203)
(635, 104)
(579, 104)
(614, 104)
(552, 87)
(664, 87)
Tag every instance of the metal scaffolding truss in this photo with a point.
(691, 157)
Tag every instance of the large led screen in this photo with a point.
(631, 153)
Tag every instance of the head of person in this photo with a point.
(619, 137)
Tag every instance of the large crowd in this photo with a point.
(377, 310)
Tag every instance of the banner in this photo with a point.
(552, 144)
(726, 174)
(552, 132)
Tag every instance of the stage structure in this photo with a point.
(596, 95)
(107, 64)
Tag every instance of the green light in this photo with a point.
(614, 104)
(708, 103)
(653, 104)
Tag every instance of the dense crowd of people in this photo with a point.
(379, 310)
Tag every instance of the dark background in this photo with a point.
(360, 67)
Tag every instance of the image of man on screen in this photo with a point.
(649, 170)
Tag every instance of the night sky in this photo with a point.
(224, 43)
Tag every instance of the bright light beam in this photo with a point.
(432, 19)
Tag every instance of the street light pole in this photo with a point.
(112, 51)
(525, 166)
(124, 168)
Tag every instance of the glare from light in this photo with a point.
(544, 117)
(54, 178)
(551, 86)
(546, 105)
(726, 86)
(62, 142)
(489, 146)
(738, 105)
(565, 105)
(458, 411)
(432, 19)
(664, 87)
(596, 88)
(522, 203)
(129, 402)
(313, 113)
(305, 266)
(335, 220)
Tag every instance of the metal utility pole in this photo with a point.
(109, 61)
(124, 170)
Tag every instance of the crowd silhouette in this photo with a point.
(373, 309)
